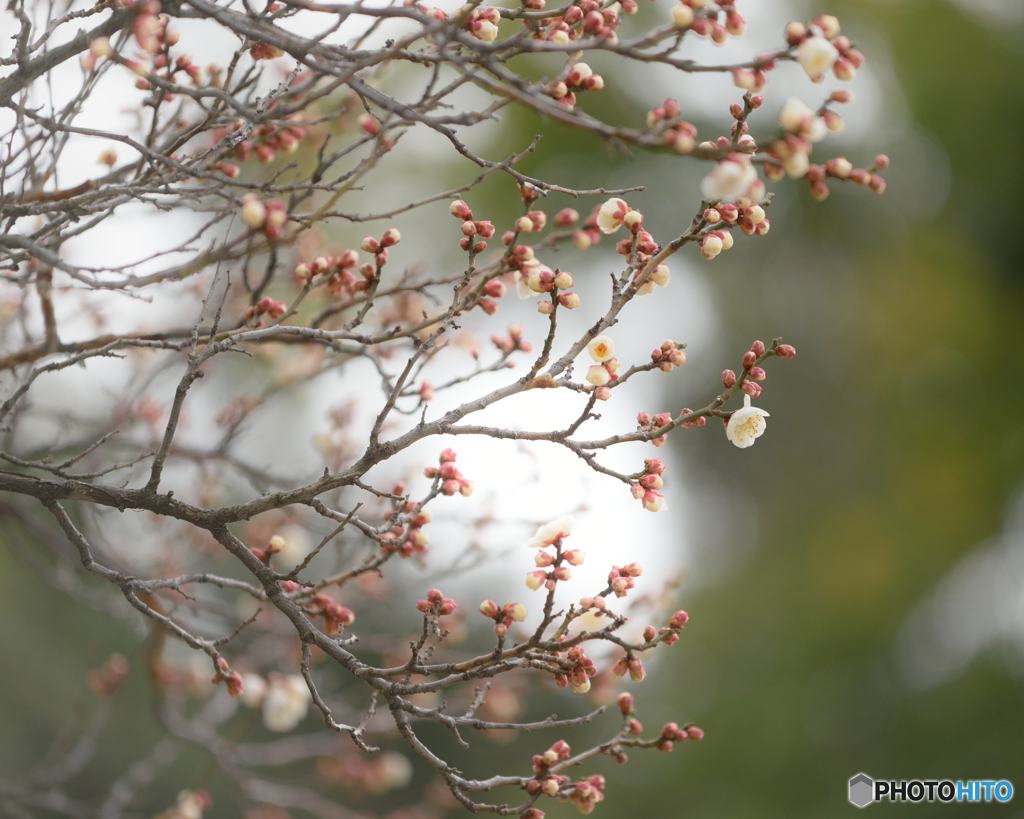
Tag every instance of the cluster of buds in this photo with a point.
(672, 734)
(270, 140)
(503, 617)
(669, 635)
(544, 781)
(623, 578)
(645, 422)
(668, 356)
(437, 604)
(754, 373)
(513, 341)
(411, 539)
(748, 216)
(547, 536)
(106, 679)
(578, 676)
(472, 231)
(482, 23)
(606, 370)
(630, 665)
(802, 127)
(379, 249)
(820, 47)
(232, 679)
(452, 481)
(587, 793)
(337, 272)
(647, 486)
(699, 17)
(275, 545)
(335, 615)
(150, 28)
(269, 217)
(265, 306)
(841, 168)
(585, 18)
(698, 421)
(678, 133)
(580, 77)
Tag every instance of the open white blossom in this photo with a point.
(746, 424)
(728, 181)
(795, 115)
(286, 702)
(816, 55)
(611, 214)
(601, 348)
(254, 689)
(550, 532)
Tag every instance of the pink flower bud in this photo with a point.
(795, 32)
(757, 374)
(881, 162)
(751, 389)
(695, 733)
(534, 580)
(785, 351)
(678, 620)
(749, 359)
(368, 124)
(489, 608)
(369, 244)
(460, 210)
(650, 632)
(712, 216)
(562, 573)
(254, 213)
(728, 378)
(625, 703)
(517, 611)
(574, 557)
(567, 217)
(637, 673)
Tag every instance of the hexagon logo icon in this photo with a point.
(862, 790)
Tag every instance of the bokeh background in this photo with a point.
(856, 579)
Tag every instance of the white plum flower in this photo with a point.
(598, 375)
(601, 348)
(611, 215)
(254, 689)
(816, 55)
(746, 424)
(484, 30)
(728, 181)
(550, 532)
(795, 115)
(285, 703)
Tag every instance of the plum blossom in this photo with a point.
(601, 348)
(816, 55)
(285, 703)
(746, 424)
(611, 215)
(730, 180)
(547, 534)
